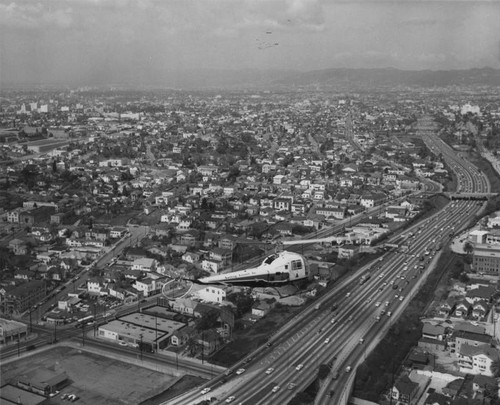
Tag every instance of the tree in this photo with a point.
(495, 368)
(468, 248)
(243, 302)
(208, 320)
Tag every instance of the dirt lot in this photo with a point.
(95, 379)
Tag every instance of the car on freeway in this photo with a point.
(327, 340)
(333, 321)
(377, 304)
(350, 318)
(377, 318)
(276, 388)
(389, 313)
(205, 390)
(230, 399)
(299, 367)
(401, 297)
(348, 295)
(361, 341)
(240, 371)
(387, 303)
(348, 369)
(269, 370)
(291, 386)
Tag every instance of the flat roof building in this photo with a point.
(12, 330)
(486, 259)
(139, 328)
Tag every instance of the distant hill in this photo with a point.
(342, 77)
(393, 77)
(255, 79)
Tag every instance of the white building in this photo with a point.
(212, 294)
(477, 359)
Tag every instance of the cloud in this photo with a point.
(34, 15)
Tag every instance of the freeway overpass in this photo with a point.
(470, 196)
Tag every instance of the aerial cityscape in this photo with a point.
(249, 202)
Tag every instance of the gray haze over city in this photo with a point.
(102, 41)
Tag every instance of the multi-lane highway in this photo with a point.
(361, 311)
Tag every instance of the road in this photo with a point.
(303, 339)
(33, 317)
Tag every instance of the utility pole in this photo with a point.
(202, 347)
(140, 347)
(156, 331)
(95, 319)
(31, 322)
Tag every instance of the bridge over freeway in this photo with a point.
(470, 196)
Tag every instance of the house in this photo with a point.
(435, 398)
(212, 266)
(405, 391)
(36, 216)
(446, 308)
(480, 294)
(480, 309)
(212, 294)
(184, 306)
(210, 341)
(117, 232)
(149, 286)
(95, 285)
(335, 213)
(18, 247)
(192, 257)
(431, 331)
(482, 383)
(144, 264)
(24, 296)
(348, 251)
(462, 308)
(461, 337)
(261, 308)
(181, 336)
(477, 359)
(282, 204)
(370, 200)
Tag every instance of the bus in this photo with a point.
(84, 321)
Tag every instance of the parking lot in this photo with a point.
(93, 379)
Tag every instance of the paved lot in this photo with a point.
(95, 379)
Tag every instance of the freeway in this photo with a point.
(363, 311)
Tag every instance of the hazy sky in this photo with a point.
(103, 40)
